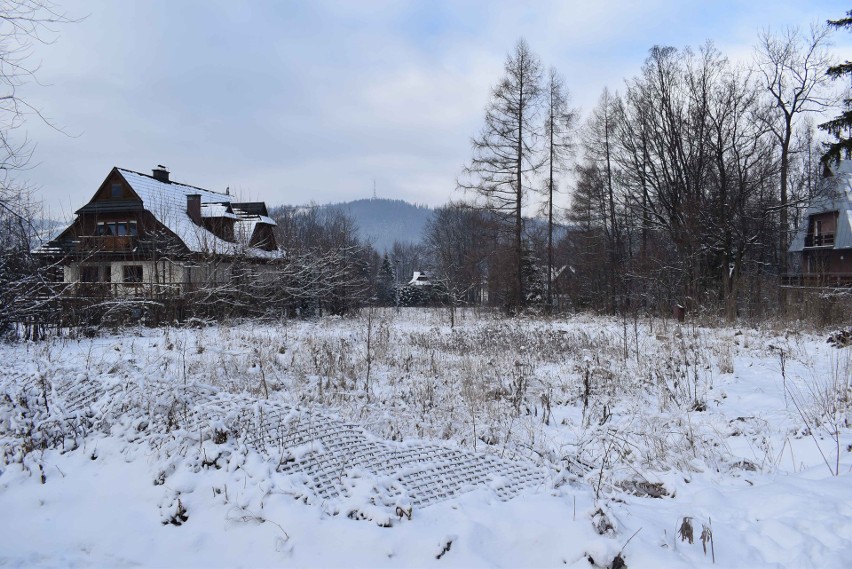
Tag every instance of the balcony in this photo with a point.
(821, 240)
(109, 243)
(114, 290)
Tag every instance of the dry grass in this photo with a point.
(621, 396)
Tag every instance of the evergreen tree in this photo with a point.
(534, 280)
(385, 290)
(841, 126)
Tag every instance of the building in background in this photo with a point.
(144, 235)
(822, 247)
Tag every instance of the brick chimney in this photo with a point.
(193, 208)
(161, 174)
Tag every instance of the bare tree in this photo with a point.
(506, 152)
(793, 66)
(326, 267)
(742, 164)
(407, 258)
(22, 23)
(559, 126)
(460, 241)
(599, 143)
(672, 194)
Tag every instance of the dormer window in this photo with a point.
(117, 191)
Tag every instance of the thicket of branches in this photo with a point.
(326, 268)
(22, 23)
(686, 187)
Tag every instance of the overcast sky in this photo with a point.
(293, 102)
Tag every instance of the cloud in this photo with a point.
(301, 100)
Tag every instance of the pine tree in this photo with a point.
(385, 291)
(534, 280)
(841, 126)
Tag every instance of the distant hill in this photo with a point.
(47, 229)
(383, 221)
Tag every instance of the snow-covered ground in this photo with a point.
(393, 439)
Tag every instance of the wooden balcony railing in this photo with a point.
(101, 290)
(822, 240)
(93, 243)
(817, 280)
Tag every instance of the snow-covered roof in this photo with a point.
(836, 196)
(419, 279)
(247, 222)
(167, 202)
(216, 210)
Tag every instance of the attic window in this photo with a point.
(117, 191)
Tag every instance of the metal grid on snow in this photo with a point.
(424, 473)
(328, 453)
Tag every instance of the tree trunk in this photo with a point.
(613, 238)
(783, 220)
(550, 217)
(519, 300)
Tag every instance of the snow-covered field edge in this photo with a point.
(142, 448)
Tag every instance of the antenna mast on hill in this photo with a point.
(374, 188)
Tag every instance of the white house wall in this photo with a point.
(207, 273)
(71, 273)
(838, 197)
(158, 272)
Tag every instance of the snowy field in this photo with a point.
(395, 440)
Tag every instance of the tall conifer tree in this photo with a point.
(841, 126)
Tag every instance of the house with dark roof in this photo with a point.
(141, 233)
(822, 247)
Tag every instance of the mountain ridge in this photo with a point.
(383, 221)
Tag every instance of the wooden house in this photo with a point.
(144, 234)
(822, 246)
